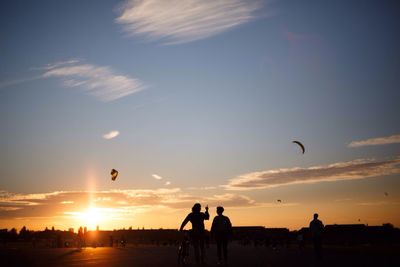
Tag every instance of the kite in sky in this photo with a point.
(300, 144)
(114, 174)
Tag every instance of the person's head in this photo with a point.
(315, 216)
(196, 207)
(220, 210)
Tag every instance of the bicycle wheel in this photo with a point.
(180, 256)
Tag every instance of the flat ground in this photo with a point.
(167, 256)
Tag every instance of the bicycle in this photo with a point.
(183, 250)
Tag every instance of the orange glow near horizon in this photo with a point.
(167, 207)
(291, 217)
(91, 218)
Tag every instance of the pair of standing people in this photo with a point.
(221, 229)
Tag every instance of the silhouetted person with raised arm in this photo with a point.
(221, 230)
(196, 217)
(316, 229)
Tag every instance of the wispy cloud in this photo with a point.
(67, 202)
(72, 202)
(111, 135)
(356, 169)
(156, 176)
(343, 200)
(378, 203)
(203, 187)
(226, 200)
(177, 21)
(4, 84)
(393, 139)
(167, 183)
(99, 81)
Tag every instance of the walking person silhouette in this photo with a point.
(196, 217)
(316, 229)
(221, 230)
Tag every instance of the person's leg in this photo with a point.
(219, 248)
(195, 243)
(317, 247)
(225, 248)
(202, 252)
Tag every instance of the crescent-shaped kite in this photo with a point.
(301, 145)
(114, 174)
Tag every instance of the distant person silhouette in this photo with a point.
(196, 217)
(80, 237)
(316, 229)
(300, 240)
(221, 230)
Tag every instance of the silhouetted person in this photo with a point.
(80, 237)
(196, 217)
(221, 229)
(300, 240)
(123, 241)
(316, 229)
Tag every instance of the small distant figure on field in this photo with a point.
(221, 230)
(316, 230)
(196, 217)
(80, 237)
(123, 241)
(300, 240)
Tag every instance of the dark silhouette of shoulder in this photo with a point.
(221, 223)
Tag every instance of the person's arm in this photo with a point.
(213, 226)
(229, 225)
(185, 221)
(206, 214)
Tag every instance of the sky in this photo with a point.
(199, 101)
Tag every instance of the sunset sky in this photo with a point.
(199, 101)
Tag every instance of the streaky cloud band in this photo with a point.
(386, 140)
(177, 21)
(351, 170)
(99, 81)
(18, 205)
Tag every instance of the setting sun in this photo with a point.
(90, 218)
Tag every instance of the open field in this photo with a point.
(166, 256)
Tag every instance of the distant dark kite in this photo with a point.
(300, 144)
(386, 194)
(114, 174)
(280, 201)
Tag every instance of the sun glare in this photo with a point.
(91, 217)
